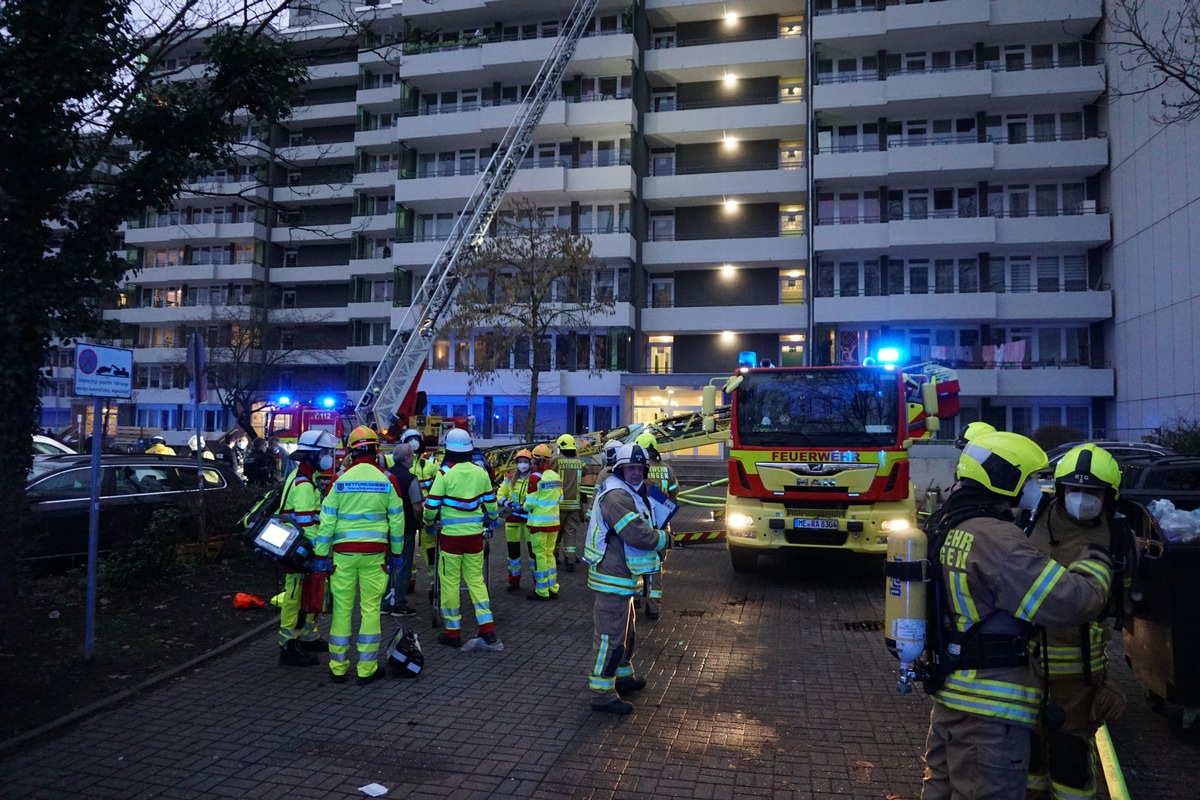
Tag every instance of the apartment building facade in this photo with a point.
(950, 158)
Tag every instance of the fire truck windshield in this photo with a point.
(280, 424)
(822, 407)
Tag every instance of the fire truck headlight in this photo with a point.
(895, 525)
(740, 521)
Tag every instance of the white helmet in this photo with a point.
(160, 439)
(610, 452)
(628, 454)
(458, 441)
(412, 435)
(315, 441)
(192, 443)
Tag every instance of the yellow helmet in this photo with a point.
(972, 431)
(543, 451)
(362, 436)
(647, 440)
(1001, 462)
(566, 442)
(523, 454)
(1089, 466)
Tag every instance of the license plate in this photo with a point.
(817, 524)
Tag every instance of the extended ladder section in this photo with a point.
(410, 346)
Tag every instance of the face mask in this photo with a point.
(1083, 506)
(241, 444)
(1031, 495)
(522, 467)
(326, 462)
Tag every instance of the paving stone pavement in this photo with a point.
(758, 686)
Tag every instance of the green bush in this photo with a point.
(1182, 436)
(151, 560)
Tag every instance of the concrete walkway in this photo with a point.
(774, 685)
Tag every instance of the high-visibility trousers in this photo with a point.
(453, 569)
(364, 575)
(514, 533)
(545, 572)
(291, 626)
(613, 641)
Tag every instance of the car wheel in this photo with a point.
(744, 559)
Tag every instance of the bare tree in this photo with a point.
(255, 344)
(1157, 42)
(530, 281)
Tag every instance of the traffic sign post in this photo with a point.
(100, 372)
(196, 356)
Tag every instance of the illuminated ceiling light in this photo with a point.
(731, 17)
(730, 204)
(727, 336)
(795, 273)
(730, 79)
(727, 270)
(730, 141)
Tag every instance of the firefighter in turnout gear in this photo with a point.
(1079, 516)
(511, 495)
(661, 476)
(622, 545)
(362, 524)
(541, 508)
(158, 447)
(996, 586)
(569, 467)
(463, 498)
(301, 499)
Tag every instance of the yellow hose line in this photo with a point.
(1113, 777)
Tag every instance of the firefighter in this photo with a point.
(298, 638)
(463, 497)
(362, 523)
(158, 447)
(569, 467)
(542, 497)
(1080, 515)
(621, 546)
(997, 587)
(662, 477)
(511, 495)
(197, 443)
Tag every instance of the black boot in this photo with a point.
(291, 655)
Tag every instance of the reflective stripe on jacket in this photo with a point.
(570, 471)
(513, 489)
(995, 576)
(362, 513)
(621, 513)
(662, 476)
(542, 499)
(463, 497)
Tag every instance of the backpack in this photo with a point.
(404, 654)
(261, 512)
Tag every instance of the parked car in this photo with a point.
(1174, 478)
(132, 488)
(45, 446)
(1122, 452)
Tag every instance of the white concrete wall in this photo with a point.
(1154, 195)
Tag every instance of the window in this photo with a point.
(791, 286)
(661, 292)
(287, 298)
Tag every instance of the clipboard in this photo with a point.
(662, 508)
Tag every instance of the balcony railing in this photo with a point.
(665, 236)
(867, 76)
(441, 237)
(959, 138)
(1086, 208)
(535, 163)
(708, 169)
(423, 110)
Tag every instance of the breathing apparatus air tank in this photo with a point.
(907, 572)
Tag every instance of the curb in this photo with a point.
(100, 705)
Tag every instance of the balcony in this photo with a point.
(714, 319)
(700, 125)
(187, 273)
(959, 158)
(708, 62)
(311, 153)
(1050, 382)
(936, 234)
(783, 186)
(943, 25)
(959, 91)
(1079, 307)
(200, 233)
(327, 113)
(315, 274)
(704, 253)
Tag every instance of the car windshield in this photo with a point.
(44, 467)
(827, 407)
